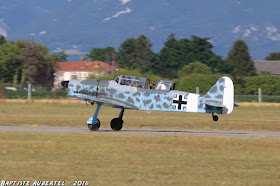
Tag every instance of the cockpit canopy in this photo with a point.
(165, 85)
(132, 81)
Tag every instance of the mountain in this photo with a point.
(79, 25)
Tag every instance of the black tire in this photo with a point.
(215, 118)
(94, 127)
(116, 124)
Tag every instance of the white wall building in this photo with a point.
(66, 71)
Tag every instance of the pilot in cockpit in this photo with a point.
(128, 81)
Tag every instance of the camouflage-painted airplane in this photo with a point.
(130, 92)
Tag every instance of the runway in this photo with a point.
(238, 134)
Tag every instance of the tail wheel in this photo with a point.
(215, 118)
(94, 127)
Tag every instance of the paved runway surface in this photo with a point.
(145, 131)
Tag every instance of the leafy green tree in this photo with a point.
(154, 64)
(10, 62)
(107, 55)
(168, 58)
(144, 51)
(177, 53)
(269, 84)
(136, 53)
(204, 82)
(23, 60)
(128, 53)
(240, 58)
(2, 40)
(273, 56)
(194, 68)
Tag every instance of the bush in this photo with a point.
(34, 95)
(204, 82)
(254, 98)
(269, 84)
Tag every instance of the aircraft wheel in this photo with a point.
(215, 118)
(94, 127)
(116, 124)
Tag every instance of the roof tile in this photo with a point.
(84, 66)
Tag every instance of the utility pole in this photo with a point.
(260, 96)
(197, 90)
(29, 92)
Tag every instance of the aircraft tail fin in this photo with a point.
(221, 95)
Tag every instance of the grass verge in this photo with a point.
(76, 113)
(112, 159)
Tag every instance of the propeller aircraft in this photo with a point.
(131, 92)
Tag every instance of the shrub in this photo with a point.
(204, 82)
(269, 84)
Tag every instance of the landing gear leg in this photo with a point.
(117, 123)
(215, 118)
(94, 123)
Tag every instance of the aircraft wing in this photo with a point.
(105, 101)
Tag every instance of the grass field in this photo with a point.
(112, 159)
(248, 117)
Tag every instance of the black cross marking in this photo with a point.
(180, 102)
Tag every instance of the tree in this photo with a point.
(32, 58)
(36, 68)
(240, 58)
(273, 56)
(204, 82)
(194, 68)
(136, 53)
(177, 53)
(2, 40)
(107, 55)
(10, 62)
(269, 84)
(168, 58)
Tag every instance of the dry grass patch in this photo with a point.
(250, 104)
(76, 115)
(112, 159)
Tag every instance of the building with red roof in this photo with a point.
(66, 71)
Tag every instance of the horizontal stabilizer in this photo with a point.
(214, 103)
(235, 105)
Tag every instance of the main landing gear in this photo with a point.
(117, 123)
(215, 118)
(94, 123)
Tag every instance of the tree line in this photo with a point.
(175, 56)
(190, 63)
(182, 60)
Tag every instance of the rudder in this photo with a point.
(221, 95)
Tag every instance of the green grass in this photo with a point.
(112, 159)
(76, 115)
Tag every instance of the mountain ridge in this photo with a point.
(79, 25)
